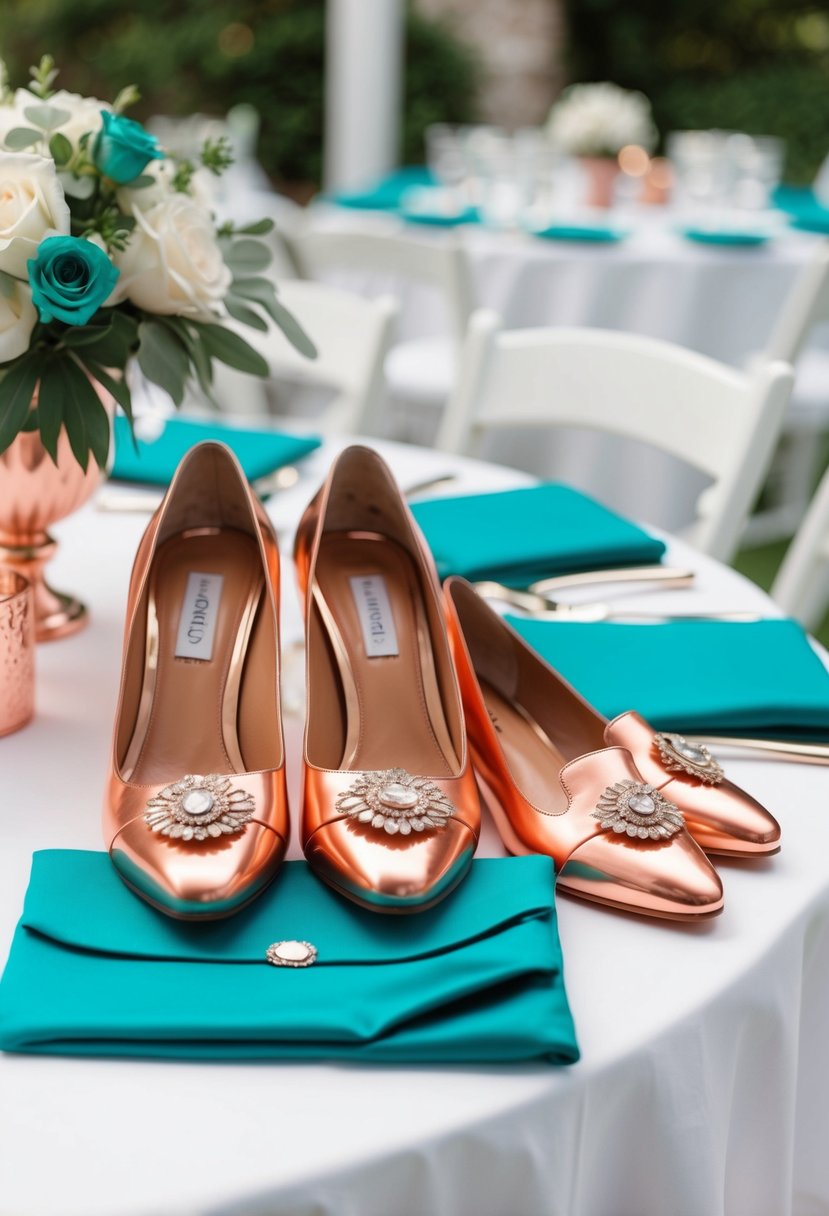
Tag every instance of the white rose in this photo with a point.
(18, 316)
(172, 263)
(32, 205)
(84, 112)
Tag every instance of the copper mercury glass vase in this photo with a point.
(35, 492)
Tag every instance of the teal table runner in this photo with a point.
(94, 971)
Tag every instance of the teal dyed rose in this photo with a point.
(70, 279)
(123, 149)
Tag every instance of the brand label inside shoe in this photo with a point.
(199, 610)
(374, 611)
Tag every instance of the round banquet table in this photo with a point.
(703, 1086)
(720, 300)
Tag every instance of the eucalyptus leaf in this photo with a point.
(140, 183)
(16, 391)
(228, 347)
(293, 331)
(259, 228)
(260, 291)
(246, 257)
(60, 149)
(87, 335)
(199, 357)
(47, 117)
(22, 137)
(77, 187)
(244, 313)
(162, 358)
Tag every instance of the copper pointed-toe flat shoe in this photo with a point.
(390, 805)
(195, 812)
(554, 787)
(723, 819)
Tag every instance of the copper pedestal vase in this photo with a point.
(35, 492)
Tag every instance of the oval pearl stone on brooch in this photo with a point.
(395, 802)
(678, 755)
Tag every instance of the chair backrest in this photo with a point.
(806, 306)
(352, 337)
(439, 262)
(801, 587)
(723, 422)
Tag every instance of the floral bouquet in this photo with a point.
(109, 252)
(599, 120)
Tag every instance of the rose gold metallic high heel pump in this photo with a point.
(555, 787)
(196, 813)
(391, 813)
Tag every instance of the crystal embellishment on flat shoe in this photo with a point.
(680, 756)
(291, 954)
(632, 808)
(394, 801)
(199, 808)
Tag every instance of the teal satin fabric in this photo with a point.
(94, 971)
(751, 678)
(517, 536)
(387, 193)
(259, 451)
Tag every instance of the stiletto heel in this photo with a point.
(555, 787)
(391, 813)
(196, 817)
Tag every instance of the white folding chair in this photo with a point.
(422, 370)
(795, 467)
(801, 587)
(352, 336)
(718, 420)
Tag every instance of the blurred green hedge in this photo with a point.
(194, 55)
(760, 66)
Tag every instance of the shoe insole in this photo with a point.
(534, 760)
(205, 589)
(370, 600)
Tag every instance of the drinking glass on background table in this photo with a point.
(724, 171)
(17, 651)
(446, 159)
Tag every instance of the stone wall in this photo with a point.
(519, 43)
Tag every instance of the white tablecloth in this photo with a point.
(704, 1083)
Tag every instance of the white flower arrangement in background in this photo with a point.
(601, 119)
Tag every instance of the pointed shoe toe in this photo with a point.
(391, 813)
(722, 818)
(195, 813)
(231, 870)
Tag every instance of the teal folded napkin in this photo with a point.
(154, 461)
(726, 677)
(517, 536)
(94, 971)
(598, 233)
(804, 209)
(387, 193)
(726, 236)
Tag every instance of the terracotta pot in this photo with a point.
(34, 494)
(601, 173)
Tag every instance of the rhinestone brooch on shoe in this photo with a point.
(394, 801)
(198, 808)
(637, 810)
(680, 756)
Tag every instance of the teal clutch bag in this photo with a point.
(94, 971)
(727, 677)
(517, 536)
(154, 462)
